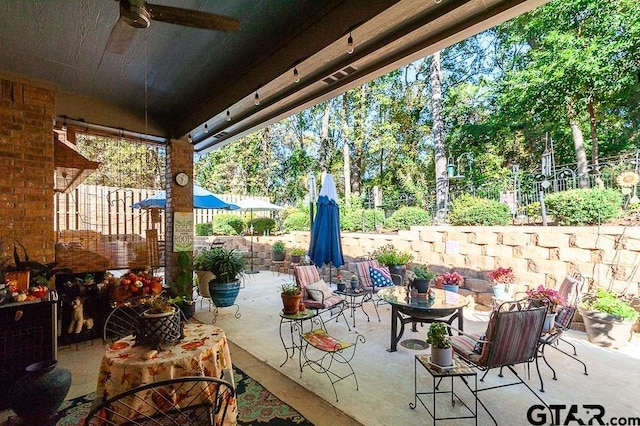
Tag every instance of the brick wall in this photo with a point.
(26, 156)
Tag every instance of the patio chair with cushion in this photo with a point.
(511, 338)
(186, 400)
(571, 291)
(374, 277)
(315, 293)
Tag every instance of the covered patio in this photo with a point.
(386, 380)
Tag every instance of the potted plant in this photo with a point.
(449, 281)
(608, 319)
(340, 283)
(160, 321)
(422, 275)
(278, 251)
(227, 266)
(501, 282)
(554, 300)
(181, 289)
(296, 254)
(441, 350)
(291, 295)
(394, 259)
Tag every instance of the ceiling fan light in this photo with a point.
(350, 44)
(136, 16)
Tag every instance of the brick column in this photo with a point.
(179, 198)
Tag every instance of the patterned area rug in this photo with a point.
(256, 406)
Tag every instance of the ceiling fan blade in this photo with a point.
(120, 37)
(192, 18)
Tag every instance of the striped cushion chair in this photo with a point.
(511, 338)
(306, 275)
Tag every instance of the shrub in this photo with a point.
(262, 225)
(470, 210)
(204, 229)
(227, 224)
(296, 221)
(351, 219)
(406, 217)
(584, 206)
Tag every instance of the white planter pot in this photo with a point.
(442, 357)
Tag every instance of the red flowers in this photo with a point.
(555, 300)
(502, 276)
(451, 278)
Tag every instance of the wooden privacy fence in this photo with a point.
(98, 229)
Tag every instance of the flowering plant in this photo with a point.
(451, 278)
(502, 276)
(541, 292)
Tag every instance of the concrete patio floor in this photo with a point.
(386, 380)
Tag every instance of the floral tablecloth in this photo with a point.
(203, 352)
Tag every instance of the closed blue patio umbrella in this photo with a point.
(202, 199)
(326, 246)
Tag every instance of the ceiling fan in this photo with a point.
(139, 14)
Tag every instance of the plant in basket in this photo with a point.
(160, 322)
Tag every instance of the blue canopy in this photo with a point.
(202, 199)
(326, 246)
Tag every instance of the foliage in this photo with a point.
(406, 217)
(182, 288)
(158, 304)
(438, 335)
(390, 256)
(262, 225)
(608, 302)
(204, 229)
(297, 251)
(351, 219)
(422, 272)
(473, 211)
(278, 247)
(502, 276)
(450, 278)
(290, 289)
(227, 224)
(226, 265)
(297, 221)
(584, 206)
(551, 295)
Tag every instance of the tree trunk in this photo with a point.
(594, 139)
(324, 139)
(442, 183)
(578, 143)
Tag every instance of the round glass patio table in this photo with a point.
(445, 307)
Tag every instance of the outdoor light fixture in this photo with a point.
(206, 128)
(256, 99)
(296, 76)
(350, 44)
(228, 116)
(190, 139)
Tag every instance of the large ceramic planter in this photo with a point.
(606, 330)
(37, 395)
(203, 282)
(442, 357)
(224, 294)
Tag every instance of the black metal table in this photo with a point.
(354, 300)
(296, 323)
(445, 307)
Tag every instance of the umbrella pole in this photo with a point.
(251, 270)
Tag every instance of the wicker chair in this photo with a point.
(511, 338)
(186, 401)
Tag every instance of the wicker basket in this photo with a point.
(160, 328)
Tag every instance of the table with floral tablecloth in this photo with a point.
(203, 352)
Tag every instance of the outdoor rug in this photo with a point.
(256, 406)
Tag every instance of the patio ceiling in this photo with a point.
(172, 80)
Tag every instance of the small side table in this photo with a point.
(462, 371)
(353, 300)
(277, 266)
(296, 324)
